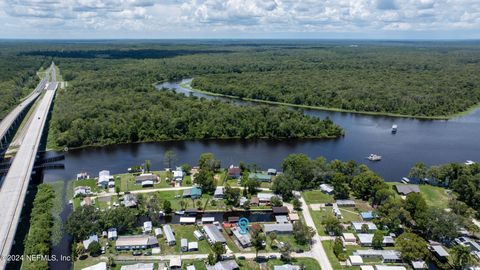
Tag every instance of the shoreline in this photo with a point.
(331, 109)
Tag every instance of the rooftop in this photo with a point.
(406, 189)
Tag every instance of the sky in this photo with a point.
(232, 19)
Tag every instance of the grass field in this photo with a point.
(317, 196)
(434, 196)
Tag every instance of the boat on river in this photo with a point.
(374, 157)
(405, 180)
(469, 162)
(394, 129)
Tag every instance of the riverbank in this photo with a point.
(322, 108)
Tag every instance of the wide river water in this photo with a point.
(428, 141)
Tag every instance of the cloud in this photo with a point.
(229, 18)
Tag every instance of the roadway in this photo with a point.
(15, 184)
(9, 120)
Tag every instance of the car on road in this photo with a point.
(260, 259)
(136, 253)
(272, 257)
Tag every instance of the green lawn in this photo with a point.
(328, 246)
(199, 264)
(316, 196)
(184, 231)
(434, 196)
(79, 264)
(309, 263)
(92, 183)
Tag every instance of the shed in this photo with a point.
(198, 235)
(326, 188)
(184, 244)
(206, 220)
(369, 215)
(147, 226)
(219, 193)
(418, 265)
(112, 234)
(345, 203)
(158, 232)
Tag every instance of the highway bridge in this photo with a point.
(15, 116)
(14, 187)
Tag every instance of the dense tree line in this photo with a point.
(401, 80)
(38, 240)
(109, 102)
(17, 78)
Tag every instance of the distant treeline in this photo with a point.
(414, 81)
(116, 54)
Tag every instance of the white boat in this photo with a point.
(405, 180)
(469, 162)
(394, 129)
(374, 157)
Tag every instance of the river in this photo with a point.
(428, 141)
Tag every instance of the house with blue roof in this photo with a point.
(369, 215)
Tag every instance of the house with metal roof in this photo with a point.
(244, 239)
(146, 178)
(388, 256)
(358, 226)
(103, 178)
(280, 210)
(407, 189)
(439, 252)
(135, 242)
(98, 266)
(224, 265)
(281, 219)
(214, 235)
(92, 238)
(419, 265)
(129, 200)
(112, 234)
(366, 240)
(169, 236)
(147, 226)
(260, 177)
(82, 191)
(192, 246)
(219, 193)
(198, 235)
(234, 172)
(264, 198)
(286, 267)
(390, 267)
(175, 263)
(368, 215)
(184, 244)
(194, 193)
(278, 228)
(326, 188)
(138, 266)
(345, 203)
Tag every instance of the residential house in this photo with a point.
(260, 177)
(358, 226)
(439, 252)
(146, 180)
(208, 220)
(224, 265)
(388, 256)
(281, 219)
(419, 265)
(112, 234)
(198, 235)
(129, 200)
(135, 242)
(255, 201)
(138, 266)
(103, 178)
(390, 267)
(219, 193)
(345, 203)
(175, 263)
(369, 215)
(82, 191)
(244, 239)
(355, 260)
(407, 189)
(280, 210)
(366, 240)
(214, 235)
(272, 171)
(349, 238)
(192, 246)
(293, 217)
(158, 232)
(191, 267)
(169, 236)
(278, 228)
(286, 267)
(98, 266)
(178, 174)
(92, 238)
(234, 172)
(193, 193)
(264, 198)
(147, 227)
(336, 211)
(470, 243)
(187, 220)
(326, 188)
